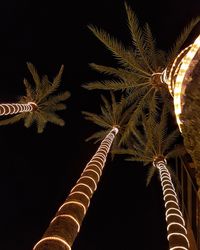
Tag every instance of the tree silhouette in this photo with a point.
(153, 145)
(66, 224)
(39, 105)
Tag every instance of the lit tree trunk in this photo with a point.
(15, 108)
(177, 233)
(65, 226)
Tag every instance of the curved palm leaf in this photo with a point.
(47, 102)
(140, 67)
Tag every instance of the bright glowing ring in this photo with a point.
(180, 234)
(67, 216)
(82, 184)
(180, 78)
(176, 215)
(177, 224)
(53, 238)
(91, 170)
(73, 202)
(90, 178)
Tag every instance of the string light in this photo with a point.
(173, 212)
(14, 108)
(93, 171)
(67, 216)
(95, 164)
(51, 238)
(88, 167)
(176, 224)
(73, 202)
(177, 75)
(90, 178)
(82, 184)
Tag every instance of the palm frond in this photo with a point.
(151, 171)
(150, 47)
(125, 57)
(35, 75)
(182, 38)
(28, 120)
(138, 38)
(29, 91)
(98, 136)
(12, 120)
(170, 140)
(96, 119)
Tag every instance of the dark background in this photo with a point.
(38, 170)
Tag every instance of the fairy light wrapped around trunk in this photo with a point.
(176, 231)
(180, 75)
(65, 226)
(15, 108)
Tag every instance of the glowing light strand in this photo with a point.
(14, 108)
(177, 79)
(73, 202)
(67, 216)
(173, 212)
(51, 238)
(96, 163)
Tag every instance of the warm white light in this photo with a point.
(53, 238)
(176, 224)
(169, 189)
(93, 171)
(82, 184)
(14, 108)
(67, 216)
(184, 66)
(172, 196)
(171, 211)
(179, 234)
(178, 247)
(176, 215)
(93, 165)
(73, 202)
(173, 208)
(90, 178)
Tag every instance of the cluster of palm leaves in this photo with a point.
(146, 132)
(47, 103)
(139, 76)
(141, 105)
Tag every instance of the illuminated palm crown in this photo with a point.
(140, 71)
(152, 139)
(113, 114)
(46, 103)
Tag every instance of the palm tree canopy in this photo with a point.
(113, 114)
(47, 102)
(152, 139)
(140, 67)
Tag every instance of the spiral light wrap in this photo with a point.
(65, 226)
(15, 108)
(177, 233)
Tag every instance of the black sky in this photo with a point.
(38, 170)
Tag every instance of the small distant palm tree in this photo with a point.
(152, 144)
(65, 226)
(141, 67)
(39, 104)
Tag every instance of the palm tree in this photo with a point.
(184, 79)
(142, 68)
(152, 144)
(65, 226)
(39, 104)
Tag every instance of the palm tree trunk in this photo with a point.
(65, 226)
(15, 108)
(177, 233)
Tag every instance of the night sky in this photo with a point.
(38, 170)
